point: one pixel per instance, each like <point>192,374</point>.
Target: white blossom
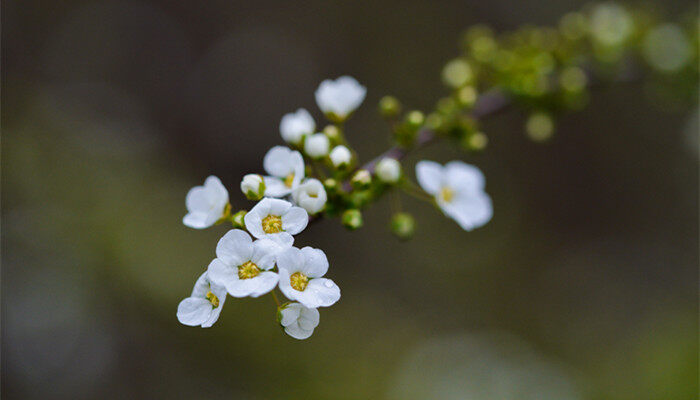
<point>340,97</point>
<point>275,219</point>
<point>243,267</point>
<point>294,126</point>
<point>310,195</point>
<point>340,156</point>
<point>458,189</point>
<point>301,277</point>
<point>298,321</point>
<point>317,145</point>
<point>286,169</point>
<point>204,305</point>
<point>388,170</point>
<point>253,186</point>
<point>205,204</point>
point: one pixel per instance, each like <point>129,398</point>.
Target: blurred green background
<point>583,286</point>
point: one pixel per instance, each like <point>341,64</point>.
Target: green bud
<point>434,121</point>
<point>403,225</point>
<point>237,219</point>
<point>389,107</point>
<point>333,133</point>
<point>476,141</point>
<point>331,185</point>
<point>415,119</point>
<point>539,126</point>
<point>457,73</point>
<point>352,219</point>
<point>361,179</point>
<point>466,96</point>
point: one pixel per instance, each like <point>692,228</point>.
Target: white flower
<point>294,126</point>
<point>301,272</point>
<point>341,97</point>
<point>253,186</point>
<point>317,145</point>
<point>459,191</point>
<point>243,266</point>
<point>388,170</point>
<point>298,321</point>
<point>205,204</point>
<point>273,218</point>
<point>286,168</point>
<point>310,195</point>
<point>204,305</point>
<point>340,156</point>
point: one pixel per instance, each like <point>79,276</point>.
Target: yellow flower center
<point>213,299</point>
<point>272,224</point>
<point>288,180</point>
<point>299,281</point>
<point>447,194</point>
<point>248,270</point>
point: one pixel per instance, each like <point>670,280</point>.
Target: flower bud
<point>415,119</point>
<point>457,73</point>
<point>317,145</point>
<point>237,219</point>
<point>331,185</point>
<point>294,126</point>
<point>389,107</point>
<point>475,141</point>
<point>539,127</point>
<point>466,96</point>
<point>388,170</point>
<point>333,133</point>
<point>253,186</point>
<point>352,219</point>
<point>361,179</point>
<point>403,225</point>
<point>340,156</point>
<point>310,195</point>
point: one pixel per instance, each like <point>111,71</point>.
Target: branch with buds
<point>545,71</point>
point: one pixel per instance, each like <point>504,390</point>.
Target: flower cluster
<point>258,255</point>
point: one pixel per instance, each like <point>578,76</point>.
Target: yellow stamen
<point>447,194</point>
<point>213,299</point>
<point>272,224</point>
<point>299,281</point>
<point>248,270</point>
<point>288,180</point>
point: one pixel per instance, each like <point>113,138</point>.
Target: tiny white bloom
<point>294,126</point>
<point>286,168</point>
<point>204,305</point>
<point>273,218</point>
<point>243,266</point>
<point>340,97</point>
<point>340,156</point>
<point>310,195</point>
<point>253,186</point>
<point>459,191</point>
<point>205,204</point>
<point>301,272</point>
<point>388,170</point>
<point>317,145</point>
<point>298,321</point>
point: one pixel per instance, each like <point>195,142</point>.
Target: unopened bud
<point>352,219</point>
<point>403,225</point>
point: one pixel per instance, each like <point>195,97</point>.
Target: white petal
<point>297,161</point>
<point>274,187</point>
<point>193,311</point>
<point>266,281</point>
<point>277,206</point>
<point>295,220</point>
<point>220,293</point>
<point>291,260</point>
<point>284,283</point>
<point>196,199</point>
<point>235,248</point>
<point>429,175</point>
<point>221,274</point>
<point>277,162</point>
<point>216,192</point>
<point>315,262</point>
<point>471,211</point>
<point>341,96</point>
<point>253,219</point>
<point>461,175</point>
<point>290,314</point>
<point>294,125</point>
<point>265,253</point>
<point>309,318</point>
<point>197,220</point>
<point>324,290</point>
<point>295,331</point>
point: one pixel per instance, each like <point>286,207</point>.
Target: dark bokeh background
<point>584,285</point>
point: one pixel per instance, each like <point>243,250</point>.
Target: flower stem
<point>274,297</point>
